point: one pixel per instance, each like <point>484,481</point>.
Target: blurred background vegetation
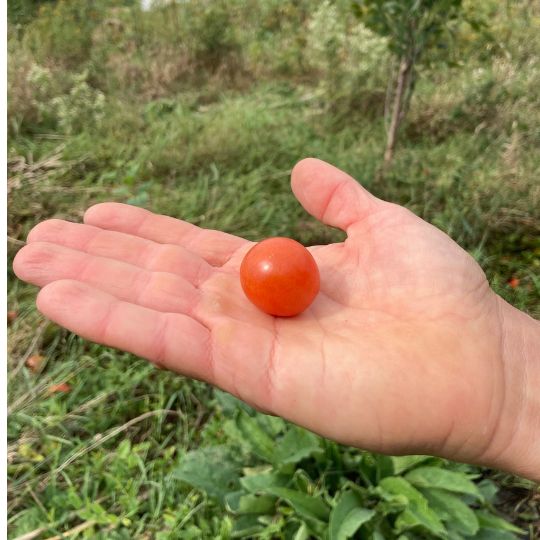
<point>199,109</point>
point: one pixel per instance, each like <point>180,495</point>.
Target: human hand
<point>403,351</point>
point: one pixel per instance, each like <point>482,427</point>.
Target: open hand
<point>399,353</point>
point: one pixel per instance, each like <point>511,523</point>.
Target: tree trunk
<point>402,83</point>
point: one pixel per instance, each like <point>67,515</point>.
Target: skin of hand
<point>406,349</point>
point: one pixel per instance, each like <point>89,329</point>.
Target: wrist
<point>515,445</point>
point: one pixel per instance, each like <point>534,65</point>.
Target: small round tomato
<point>280,276</point>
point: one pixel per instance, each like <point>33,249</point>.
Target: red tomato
<point>280,276</point>
<point>61,387</point>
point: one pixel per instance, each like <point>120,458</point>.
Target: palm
<point>367,364</point>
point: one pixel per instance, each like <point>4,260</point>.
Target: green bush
<point>81,108</point>
<point>22,11</point>
<point>62,31</point>
<point>276,480</point>
<point>352,61</point>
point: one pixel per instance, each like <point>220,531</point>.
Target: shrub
<point>42,98</point>
<point>62,31</point>
<point>276,480</point>
<point>81,108</point>
<point>352,61</point>
<point>30,87</point>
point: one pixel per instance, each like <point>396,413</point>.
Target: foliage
<point>214,37</point>
<point>363,57</point>
<point>417,31</point>
<point>22,11</point>
<point>81,107</point>
<point>299,485</point>
<point>413,27</point>
<point>63,30</point>
<point>149,119</point>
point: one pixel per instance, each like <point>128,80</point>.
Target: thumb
<point>329,194</point>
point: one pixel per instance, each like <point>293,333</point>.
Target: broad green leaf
<point>404,463</point>
<point>490,521</point>
<point>229,404</point>
<point>434,477</point>
<point>210,469</point>
<point>383,467</point>
<point>453,510</point>
<point>255,437</point>
<point>392,504</point>
<point>238,502</point>
<point>273,425</point>
<point>246,527</point>
<point>417,512</point>
<point>396,485</point>
<point>416,516</point>
<point>306,506</point>
<point>232,500</point>
<point>256,483</point>
<point>297,444</point>
<point>231,429</point>
<point>488,489</point>
<point>494,534</point>
<point>348,516</point>
<point>302,533</point>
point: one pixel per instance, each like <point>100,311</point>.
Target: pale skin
<point>405,350</point>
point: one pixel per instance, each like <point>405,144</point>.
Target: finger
<point>41,263</point>
<point>123,247</point>
<point>330,195</point>
<point>172,340</point>
<point>216,247</point>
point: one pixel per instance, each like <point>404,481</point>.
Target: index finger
<point>215,247</point>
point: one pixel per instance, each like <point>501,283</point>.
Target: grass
<point>206,126</point>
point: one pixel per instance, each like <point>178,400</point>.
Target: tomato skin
<point>280,276</point>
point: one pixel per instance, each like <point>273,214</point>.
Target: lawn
<point>199,110</point>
